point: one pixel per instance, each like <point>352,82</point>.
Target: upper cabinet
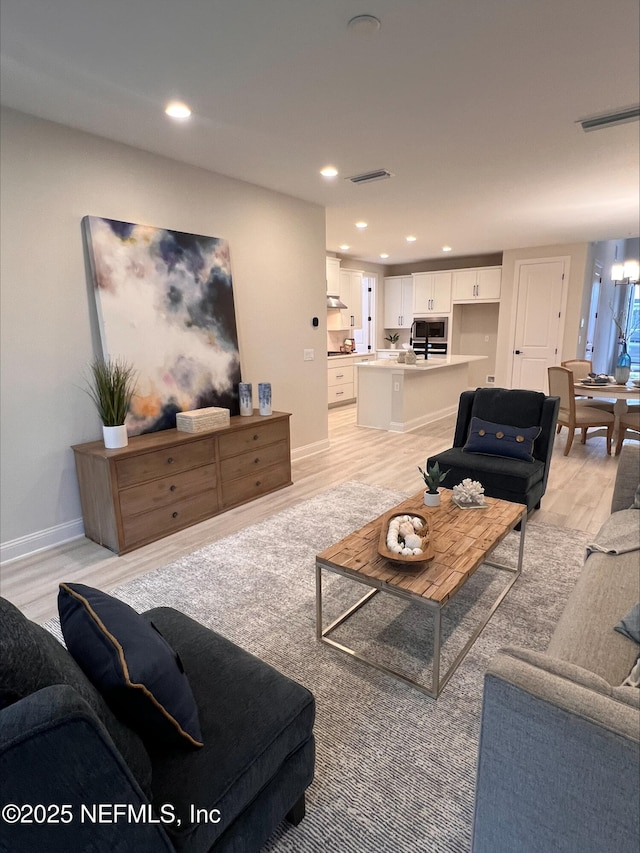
<point>477,285</point>
<point>333,275</point>
<point>432,293</point>
<point>398,302</point>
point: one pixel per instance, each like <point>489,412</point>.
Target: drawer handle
<point>339,393</point>
<point>170,460</point>
<point>172,488</point>
<point>339,375</point>
<point>256,460</point>
<point>256,437</point>
<point>258,483</point>
<point>174,515</point>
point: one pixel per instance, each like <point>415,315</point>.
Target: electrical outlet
<point>486,339</point>
<point>396,386</point>
<point>491,380</point>
<point>309,355</point>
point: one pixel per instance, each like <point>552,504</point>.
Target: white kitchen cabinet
<point>431,293</point>
<point>351,295</point>
<point>480,284</point>
<point>398,302</point>
<point>333,275</point>
<point>340,380</point>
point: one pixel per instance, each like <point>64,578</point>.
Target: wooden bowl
<point>411,559</point>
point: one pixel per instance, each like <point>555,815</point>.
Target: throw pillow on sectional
<point>130,662</point>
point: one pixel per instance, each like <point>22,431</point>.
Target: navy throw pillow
<point>129,661</point>
<point>501,440</point>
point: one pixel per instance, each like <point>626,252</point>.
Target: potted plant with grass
<point>111,386</point>
<point>432,477</point>
<point>393,340</point>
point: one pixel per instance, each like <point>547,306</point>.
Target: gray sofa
<point>559,756</point>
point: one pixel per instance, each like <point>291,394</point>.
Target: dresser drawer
<point>159,463</point>
<point>167,490</point>
<point>252,438</point>
<point>246,488</point>
<point>340,375</point>
<point>246,463</point>
<point>341,393</point>
<point>147,526</point>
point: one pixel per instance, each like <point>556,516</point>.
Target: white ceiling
<point>472,104</point>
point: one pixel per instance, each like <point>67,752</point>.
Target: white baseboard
<point>41,540</point>
<point>423,420</point>
<point>310,449</point>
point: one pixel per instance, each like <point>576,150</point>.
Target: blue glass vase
<point>623,366</point>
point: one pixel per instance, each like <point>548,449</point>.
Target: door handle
<point>518,352</point>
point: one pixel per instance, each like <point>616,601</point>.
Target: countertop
<point>432,363</point>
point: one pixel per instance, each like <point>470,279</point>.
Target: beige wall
<point>577,254</point>
<point>52,176</point>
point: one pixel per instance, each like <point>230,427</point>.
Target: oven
<point>430,333</point>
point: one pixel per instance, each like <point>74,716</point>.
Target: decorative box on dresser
<point>165,481</point>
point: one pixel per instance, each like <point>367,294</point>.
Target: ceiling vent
<point>610,119</point>
<point>367,177</point>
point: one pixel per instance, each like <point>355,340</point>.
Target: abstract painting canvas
<point>165,304</point>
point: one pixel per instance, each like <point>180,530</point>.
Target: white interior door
<point>540,297</point>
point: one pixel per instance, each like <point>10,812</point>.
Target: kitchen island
<point>403,397</point>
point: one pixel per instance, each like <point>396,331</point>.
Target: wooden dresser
<point>168,480</point>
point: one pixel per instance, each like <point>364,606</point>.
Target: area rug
<point>395,769</point>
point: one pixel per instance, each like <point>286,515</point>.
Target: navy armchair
<point>516,480</point>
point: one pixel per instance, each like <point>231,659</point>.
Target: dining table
<point>621,394</point>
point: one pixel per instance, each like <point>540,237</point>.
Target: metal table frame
<point>438,683</point>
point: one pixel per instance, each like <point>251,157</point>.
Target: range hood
<point>334,301</point>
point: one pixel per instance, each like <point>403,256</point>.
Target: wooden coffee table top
<point>461,539</point>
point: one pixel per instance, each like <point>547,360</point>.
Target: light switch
<point>309,355</point>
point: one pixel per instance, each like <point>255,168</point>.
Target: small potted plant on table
<point>111,386</point>
<point>432,478</point>
<point>393,340</point>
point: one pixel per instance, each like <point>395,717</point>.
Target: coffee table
<point>462,540</point>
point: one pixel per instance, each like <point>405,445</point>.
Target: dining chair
<point>581,368</point>
<point>630,420</point>
<point>573,416</point>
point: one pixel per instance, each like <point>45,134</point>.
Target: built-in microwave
<point>434,329</point>
<point>429,335</point>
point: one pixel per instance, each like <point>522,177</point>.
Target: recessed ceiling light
<point>364,25</point>
<point>177,110</point>
<point>411,239</point>
<point>384,255</point>
<point>446,248</point>
<point>344,247</point>
<point>329,172</point>
<point>361,224</point>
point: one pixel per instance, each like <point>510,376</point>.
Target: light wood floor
<point>578,496</point>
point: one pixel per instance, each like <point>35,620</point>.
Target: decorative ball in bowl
<point>404,538</point>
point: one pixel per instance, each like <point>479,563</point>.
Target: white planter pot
<point>393,346</point>
<point>431,500</point>
<point>115,436</point>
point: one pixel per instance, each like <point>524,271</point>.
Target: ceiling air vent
<point>610,119</point>
<point>367,177</point>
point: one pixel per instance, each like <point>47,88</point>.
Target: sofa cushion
<point>606,591</point>
<point>130,662</point>
<point>501,439</point>
<point>31,659</point>
<point>253,718</point>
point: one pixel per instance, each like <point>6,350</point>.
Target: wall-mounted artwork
<point>165,304</point>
